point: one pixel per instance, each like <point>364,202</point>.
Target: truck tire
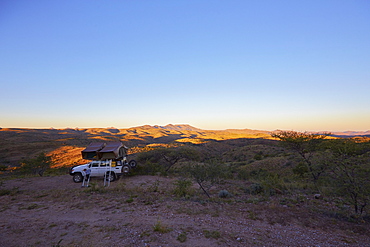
<point>132,163</point>
<point>77,177</point>
<point>126,169</point>
<point>111,176</point>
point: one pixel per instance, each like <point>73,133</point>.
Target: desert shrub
<point>247,172</point>
<point>130,200</point>
<point>206,175</point>
<point>154,187</point>
<point>224,194</point>
<point>160,227</point>
<point>150,168</point>
<point>212,234</point>
<point>182,187</point>
<point>36,165</point>
<point>259,174</point>
<point>56,171</point>
<point>95,188</point>
<point>242,173</point>
<point>13,191</point>
<point>169,157</point>
<point>300,169</point>
<point>182,237</point>
<point>273,184</point>
<point>258,156</point>
<point>254,189</point>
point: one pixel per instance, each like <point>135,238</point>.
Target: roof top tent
<point>113,150</point>
<point>104,151</point>
<point>91,151</point>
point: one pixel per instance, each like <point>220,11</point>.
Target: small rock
<point>317,196</point>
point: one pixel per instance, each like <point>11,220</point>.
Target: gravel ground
<point>140,211</point>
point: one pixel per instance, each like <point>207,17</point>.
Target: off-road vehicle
<point>101,168</point>
<point>109,160</point>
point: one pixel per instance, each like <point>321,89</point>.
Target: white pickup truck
<point>101,168</point>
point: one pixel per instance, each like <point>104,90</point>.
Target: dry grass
<point>66,156</point>
<point>144,209</point>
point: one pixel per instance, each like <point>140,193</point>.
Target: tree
<point>350,171</point>
<point>37,165</point>
<point>206,175</point>
<point>168,157</point>
<point>305,145</point>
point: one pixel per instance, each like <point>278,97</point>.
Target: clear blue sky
<point>302,65</point>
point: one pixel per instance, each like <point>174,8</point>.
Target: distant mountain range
<point>351,133</point>
<point>170,129</point>
<point>187,127</point>
<point>17,143</point>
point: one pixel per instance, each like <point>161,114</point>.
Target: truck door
<point>94,168</point>
<point>102,169</point>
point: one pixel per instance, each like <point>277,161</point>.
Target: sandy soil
<point>140,211</point>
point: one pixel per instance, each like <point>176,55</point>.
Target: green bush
<point>300,169</point>
<point>37,165</point>
<point>206,175</point>
<point>182,237</point>
<point>150,168</point>
<point>182,188</point>
<point>259,174</point>
<point>161,228</point>
<point>224,194</point>
<point>212,234</point>
<point>129,200</point>
<point>255,189</point>
<point>258,156</point>
<point>13,191</point>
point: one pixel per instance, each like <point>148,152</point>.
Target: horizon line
<point>112,127</point>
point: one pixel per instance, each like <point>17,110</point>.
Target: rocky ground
<point>142,211</point>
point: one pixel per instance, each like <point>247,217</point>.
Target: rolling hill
<point>66,144</point>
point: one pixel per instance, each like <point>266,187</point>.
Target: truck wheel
<point>77,177</point>
<point>132,163</point>
<point>111,177</point>
<point>125,169</point>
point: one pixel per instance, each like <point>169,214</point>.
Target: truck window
<point>94,164</point>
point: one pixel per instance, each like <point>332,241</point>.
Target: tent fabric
<point>91,151</point>
<point>111,147</point>
<point>103,151</point>
<point>111,151</point>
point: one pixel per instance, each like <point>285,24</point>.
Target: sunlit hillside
<point>65,145</point>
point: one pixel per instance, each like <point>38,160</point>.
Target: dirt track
<point>140,211</point>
